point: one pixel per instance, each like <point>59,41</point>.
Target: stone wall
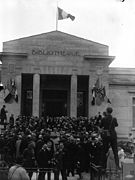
<point>121,92</point>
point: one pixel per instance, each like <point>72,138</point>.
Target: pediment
<point>55,40</point>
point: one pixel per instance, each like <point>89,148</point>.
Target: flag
<point>105,96</point>
<point>94,92</point>
<point>97,84</point>
<point>13,94</point>
<point>93,96</point>
<point>98,94</point>
<point>108,101</point>
<point>64,15</point>
<point>8,98</point>
<point>16,95</point>
<point>14,91</point>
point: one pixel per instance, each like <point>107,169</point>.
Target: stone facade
<point>57,54</point>
<point>122,94</point>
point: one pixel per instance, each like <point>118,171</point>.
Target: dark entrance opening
<point>27,94</point>
<point>54,95</point>
<point>55,103</point>
<point>82,95</point>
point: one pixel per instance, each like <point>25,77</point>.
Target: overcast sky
<point>110,22</point>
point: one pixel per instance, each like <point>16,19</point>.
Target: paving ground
<point>127,170</point>
<point>86,176</point>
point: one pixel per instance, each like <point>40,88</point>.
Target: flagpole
<point>57,15</point>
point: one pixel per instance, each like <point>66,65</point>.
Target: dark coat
<point>71,152</point>
<point>109,123</point>
<point>61,158</point>
<point>3,114</point>
<point>28,158</point>
<point>80,156</point>
<point>39,145</point>
<point>44,157</point>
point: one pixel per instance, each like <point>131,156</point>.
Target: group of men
<point>69,147</point>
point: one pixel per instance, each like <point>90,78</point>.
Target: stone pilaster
<point>36,93</point>
<point>19,90</point>
<point>73,96</point>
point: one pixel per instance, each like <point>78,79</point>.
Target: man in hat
<point>44,158</point>
<point>60,158</point>
<point>3,114</point>
<point>109,135</point>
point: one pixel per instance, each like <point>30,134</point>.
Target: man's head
<point>49,144</point>
<point>109,110</point>
<point>61,145</point>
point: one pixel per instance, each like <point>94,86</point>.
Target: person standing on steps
<point>109,135</point>
<point>3,114</point>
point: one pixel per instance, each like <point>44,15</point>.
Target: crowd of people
<point>68,145</point>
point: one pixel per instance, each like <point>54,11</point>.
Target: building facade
<point>53,74</point>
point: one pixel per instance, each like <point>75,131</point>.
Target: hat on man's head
<point>109,110</point>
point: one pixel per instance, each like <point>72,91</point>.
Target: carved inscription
<point>54,52</point>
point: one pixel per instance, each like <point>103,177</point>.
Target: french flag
<point>64,15</point>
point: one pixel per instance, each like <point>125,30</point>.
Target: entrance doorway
<point>54,103</point>
<point>27,94</point>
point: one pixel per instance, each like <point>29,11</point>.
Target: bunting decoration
<point>11,86</point>
<point>16,95</point>
<point>99,94</point>
<point>8,97</point>
<point>94,92</point>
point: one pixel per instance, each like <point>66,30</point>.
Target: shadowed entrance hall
<point>55,102</point>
